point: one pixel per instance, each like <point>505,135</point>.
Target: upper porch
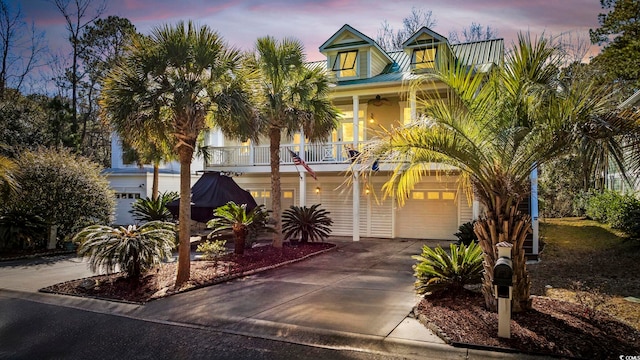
<point>328,156</point>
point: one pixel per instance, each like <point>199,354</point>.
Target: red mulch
<point>159,282</point>
<point>552,327</point>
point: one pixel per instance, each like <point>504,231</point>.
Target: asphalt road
<point>32,330</point>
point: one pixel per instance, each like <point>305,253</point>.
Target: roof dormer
<point>423,47</point>
<point>352,55</point>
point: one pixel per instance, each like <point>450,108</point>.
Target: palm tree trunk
<point>240,240</point>
<point>184,218</point>
<point>274,161</point>
<point>510,226</point>
<point>156,175</point>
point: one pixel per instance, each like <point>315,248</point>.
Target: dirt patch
<point>552,327</point>
<point>160,281</point>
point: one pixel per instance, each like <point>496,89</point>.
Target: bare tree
<point>78,14</point>
<point>475,32</point>
<point>574,45</point>
<point>21,48</point>
<point>390,39</point>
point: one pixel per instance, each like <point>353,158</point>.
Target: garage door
<point>428,214</point>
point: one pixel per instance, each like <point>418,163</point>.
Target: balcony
<point>244,156</point>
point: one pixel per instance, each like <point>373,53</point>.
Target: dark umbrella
<point>211,191</point>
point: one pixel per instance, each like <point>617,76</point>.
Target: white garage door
<point>428,214</point>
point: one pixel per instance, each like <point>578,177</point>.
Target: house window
<point>433,195</point>
<point>448,195</point>
<point>287,194</point>
<point>417,195</point>
<point>345,63</point>
<point>423,58</point>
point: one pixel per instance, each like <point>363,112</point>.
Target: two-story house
<point>371,91</point>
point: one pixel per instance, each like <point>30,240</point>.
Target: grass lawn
<point>586,262</point>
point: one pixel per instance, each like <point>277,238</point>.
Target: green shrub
<point>63,189</point>
<point>132,249</point>
<point>306,223</point>
<point>607,206</point>
<point>614,209</point>
<point>629,221</point>
<point>465,234</point>
<point>438,270</point>
<point>148,209</point>
<point>212,250</point>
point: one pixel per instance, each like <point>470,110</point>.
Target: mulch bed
<point>552,327</point>
<point>160,281</point>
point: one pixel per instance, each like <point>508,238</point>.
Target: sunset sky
<point>241,22</point>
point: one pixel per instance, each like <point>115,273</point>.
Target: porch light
<point>366,191</point>
<point>371,119</point>
<point>317,189</point>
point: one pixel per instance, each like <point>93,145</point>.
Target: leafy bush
<point>605,207</point>
<point>236,218</point>
<point>63,189</point>
<point>148,209</point>
<point>133,249</point>
<point>212,250</point>
<point>629,221</point>
<point>465,234</point>
<point>308,224</point>
<point>437,270</point>
<point>619,211</point>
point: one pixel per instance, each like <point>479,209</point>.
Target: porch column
<point>356,180</point>
<point>356,206</point>
<point>303,189</point>
<point>534,209</point>
<point>218,137</point>
<point>356,121</point>
<point>303,174</point>
<point>412,105</point>
<point>475,208</point>
<point>252,153</point>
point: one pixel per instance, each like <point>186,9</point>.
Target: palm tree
<point>151,146</point>
<point>181,79</point>
<point>495,128</point>
<point>236,218</point>
<point>291,97</point>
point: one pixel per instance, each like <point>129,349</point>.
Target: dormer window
<point>424,58</point>
<point>346,63</point>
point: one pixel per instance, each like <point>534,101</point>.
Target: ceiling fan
<point>379,101</point>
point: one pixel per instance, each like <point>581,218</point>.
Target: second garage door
<point>428,214</point>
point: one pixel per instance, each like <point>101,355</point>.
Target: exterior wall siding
<point>465,209</point>
<point>378,63</point>
<point>335,198</point>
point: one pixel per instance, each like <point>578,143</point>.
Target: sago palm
<point>290,98</point>
<point>494,128</point>
<point>152,209</point>
<point>181,79</point>
<point>236,218</point>
<point>306,223</point>
<point>438,270</point>
<point>133,249</point>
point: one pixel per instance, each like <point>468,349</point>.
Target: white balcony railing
<point>325,153</point>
